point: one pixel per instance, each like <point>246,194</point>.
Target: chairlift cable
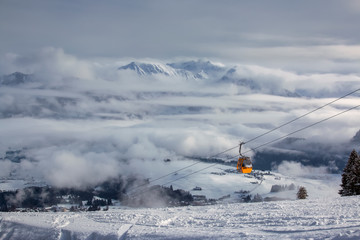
<point>262,145</point>
<point>178,170</point>
<point>304,115</point>
<point>301,129</point>
<point>261,135</point>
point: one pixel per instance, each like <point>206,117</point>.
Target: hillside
<point>213,183</point>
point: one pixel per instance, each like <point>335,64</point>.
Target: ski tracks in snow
<point>123,231</point>
<point>333,219</point>
<point>60,221</point>
<point>72,226</point>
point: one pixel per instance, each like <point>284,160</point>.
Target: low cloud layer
<point>47,63</point>
<point>296,169</point>
<point>79,122</point>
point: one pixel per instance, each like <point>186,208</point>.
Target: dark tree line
<point>31,197</point>
<point>95,197</point>
<point>282,188</point>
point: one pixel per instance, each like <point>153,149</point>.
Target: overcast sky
<point>81,110</point>
<point>277,33</point>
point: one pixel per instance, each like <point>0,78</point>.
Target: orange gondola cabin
<point>244,164</point>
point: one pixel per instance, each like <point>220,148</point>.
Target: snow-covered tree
<point>350,182</point>
<point>302,193</point>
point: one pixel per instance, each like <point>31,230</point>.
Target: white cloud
<point>5,168</point>
<point>49,62</point>
<point>296,169</point>
<point>64,169</point>
<point>106,122</point>
<point>339,58</point>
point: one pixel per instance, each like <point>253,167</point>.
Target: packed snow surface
<point>331,218</point>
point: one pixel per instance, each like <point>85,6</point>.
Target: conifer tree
<point>302,193</point>
<point>257,198</point>
<point>350,182</point>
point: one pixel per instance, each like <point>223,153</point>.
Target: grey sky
<point>260,32</point>
<point>80,109</point>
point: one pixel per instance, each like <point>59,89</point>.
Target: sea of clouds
<point>82,121</point>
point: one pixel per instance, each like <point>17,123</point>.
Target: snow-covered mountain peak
<point>189,70</point>
<point>197,69</point>
<point>149,68</point>
<point>199,66</point>
<point>15,78</point>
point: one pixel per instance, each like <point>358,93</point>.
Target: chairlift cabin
<point>244,164</point>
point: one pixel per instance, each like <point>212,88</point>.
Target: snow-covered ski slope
<point>331,218</point>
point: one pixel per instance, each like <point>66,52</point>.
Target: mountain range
<point>189,69</point>
<point>247,78</point>
<point>15,79</point>
<point>207,71</point>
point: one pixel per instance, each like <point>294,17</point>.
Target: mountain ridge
<point>206,70</point>
<point>15,79</point>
